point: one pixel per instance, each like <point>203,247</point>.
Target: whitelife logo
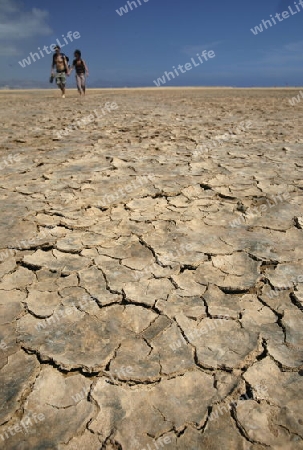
<point>285,15</point>
<point>70,35</point>
<point>295,100</point>
<point>124,9</point>
<point>188,66</point>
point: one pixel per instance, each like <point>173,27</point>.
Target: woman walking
<point>81,71</point>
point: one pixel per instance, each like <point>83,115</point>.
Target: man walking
<point>61,64</point>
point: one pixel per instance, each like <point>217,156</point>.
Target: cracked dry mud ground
<point>131,315</point>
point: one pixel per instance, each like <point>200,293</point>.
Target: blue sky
<point>140,45</point>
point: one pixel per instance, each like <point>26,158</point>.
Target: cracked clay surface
<point>151,271</point>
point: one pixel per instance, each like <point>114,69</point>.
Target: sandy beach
<point>151,269</point>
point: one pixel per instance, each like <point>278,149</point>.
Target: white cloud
<point>294,47</point>
<point>191,50</point>
<point>285,59</point>
<point>279,56</point>
<point>7,6</point>
<point>16,25</point>
<point>9,50</point>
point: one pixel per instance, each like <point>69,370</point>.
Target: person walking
<point>81,71</point>
<point>60,61</point>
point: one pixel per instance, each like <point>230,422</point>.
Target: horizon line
<point>153,88</point>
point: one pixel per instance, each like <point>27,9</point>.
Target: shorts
<point>61,78</point>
